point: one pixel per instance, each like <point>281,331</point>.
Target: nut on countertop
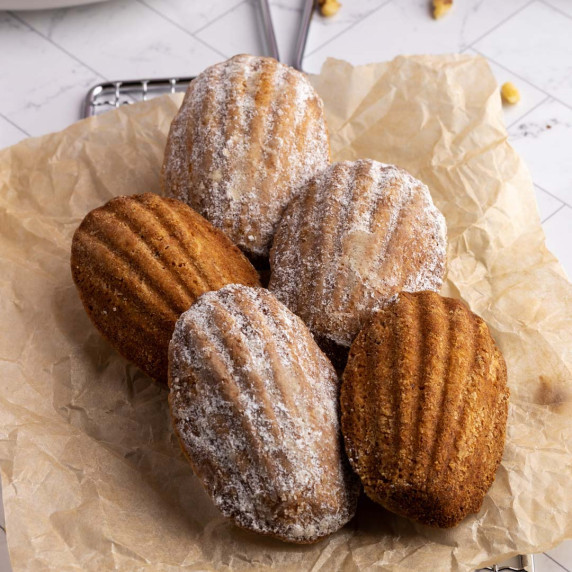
<point>441,7</point>
<point>329,7</point>
<point>510,93</point>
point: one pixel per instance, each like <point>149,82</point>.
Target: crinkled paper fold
<point>93,478</point>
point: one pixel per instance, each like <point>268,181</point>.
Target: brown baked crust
<point>359,233</point>
<point>139,262</point>
<point>424,405</point>
<point>254,403</point>
<point>249,133</point>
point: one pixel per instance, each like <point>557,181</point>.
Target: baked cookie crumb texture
<point>139,262</point>
<point>255,406</point>
<point>424,403</point>
<point>249,133</point>
<point>359,233</point>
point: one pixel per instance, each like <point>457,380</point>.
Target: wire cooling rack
<point>520,563</point>
<point>111,95</point>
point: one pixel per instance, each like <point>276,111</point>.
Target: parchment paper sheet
<point>92,476</point>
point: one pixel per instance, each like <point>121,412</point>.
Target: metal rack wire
<point>522,563</point>
<point>111,95</point>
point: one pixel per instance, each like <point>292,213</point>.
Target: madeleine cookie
<point>359,233</point>
<point>249,133</point>
<point>255,406</point>
<point>139,262</point>
<point>424,404</point>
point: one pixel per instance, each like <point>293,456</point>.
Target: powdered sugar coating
<point>255,404</point>
<point>358,234</point>
<point>249,133</point>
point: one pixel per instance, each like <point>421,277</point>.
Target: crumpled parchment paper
<point>93,478</point>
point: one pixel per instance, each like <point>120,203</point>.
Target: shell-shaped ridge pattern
<point>255,405</point>
<point>139,262</point>
<point>424,404</point>
<point>249,133</point>
<point>358,234</point>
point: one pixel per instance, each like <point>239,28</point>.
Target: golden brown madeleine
<point>424,406</point>
<point>255,406</point>
<point>359,233</point>
<point>250,131</point>
<point>139,262</point>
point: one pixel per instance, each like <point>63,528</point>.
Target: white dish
<point>42,4</point>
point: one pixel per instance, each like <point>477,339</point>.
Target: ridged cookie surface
<point>359,233</point>
<point>424,406</point>
<point>250,131</point>
<point>255,405</point>
<point>139,262</point>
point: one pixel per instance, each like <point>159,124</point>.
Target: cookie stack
<point>349,370</point>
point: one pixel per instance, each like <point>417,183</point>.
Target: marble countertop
<point>49,59</point>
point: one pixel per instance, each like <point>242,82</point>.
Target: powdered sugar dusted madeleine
<point>250,131</point>
<point>139,262</point>
<point>424,408</point>
<point>359,233</point>
<point>255,405</point>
